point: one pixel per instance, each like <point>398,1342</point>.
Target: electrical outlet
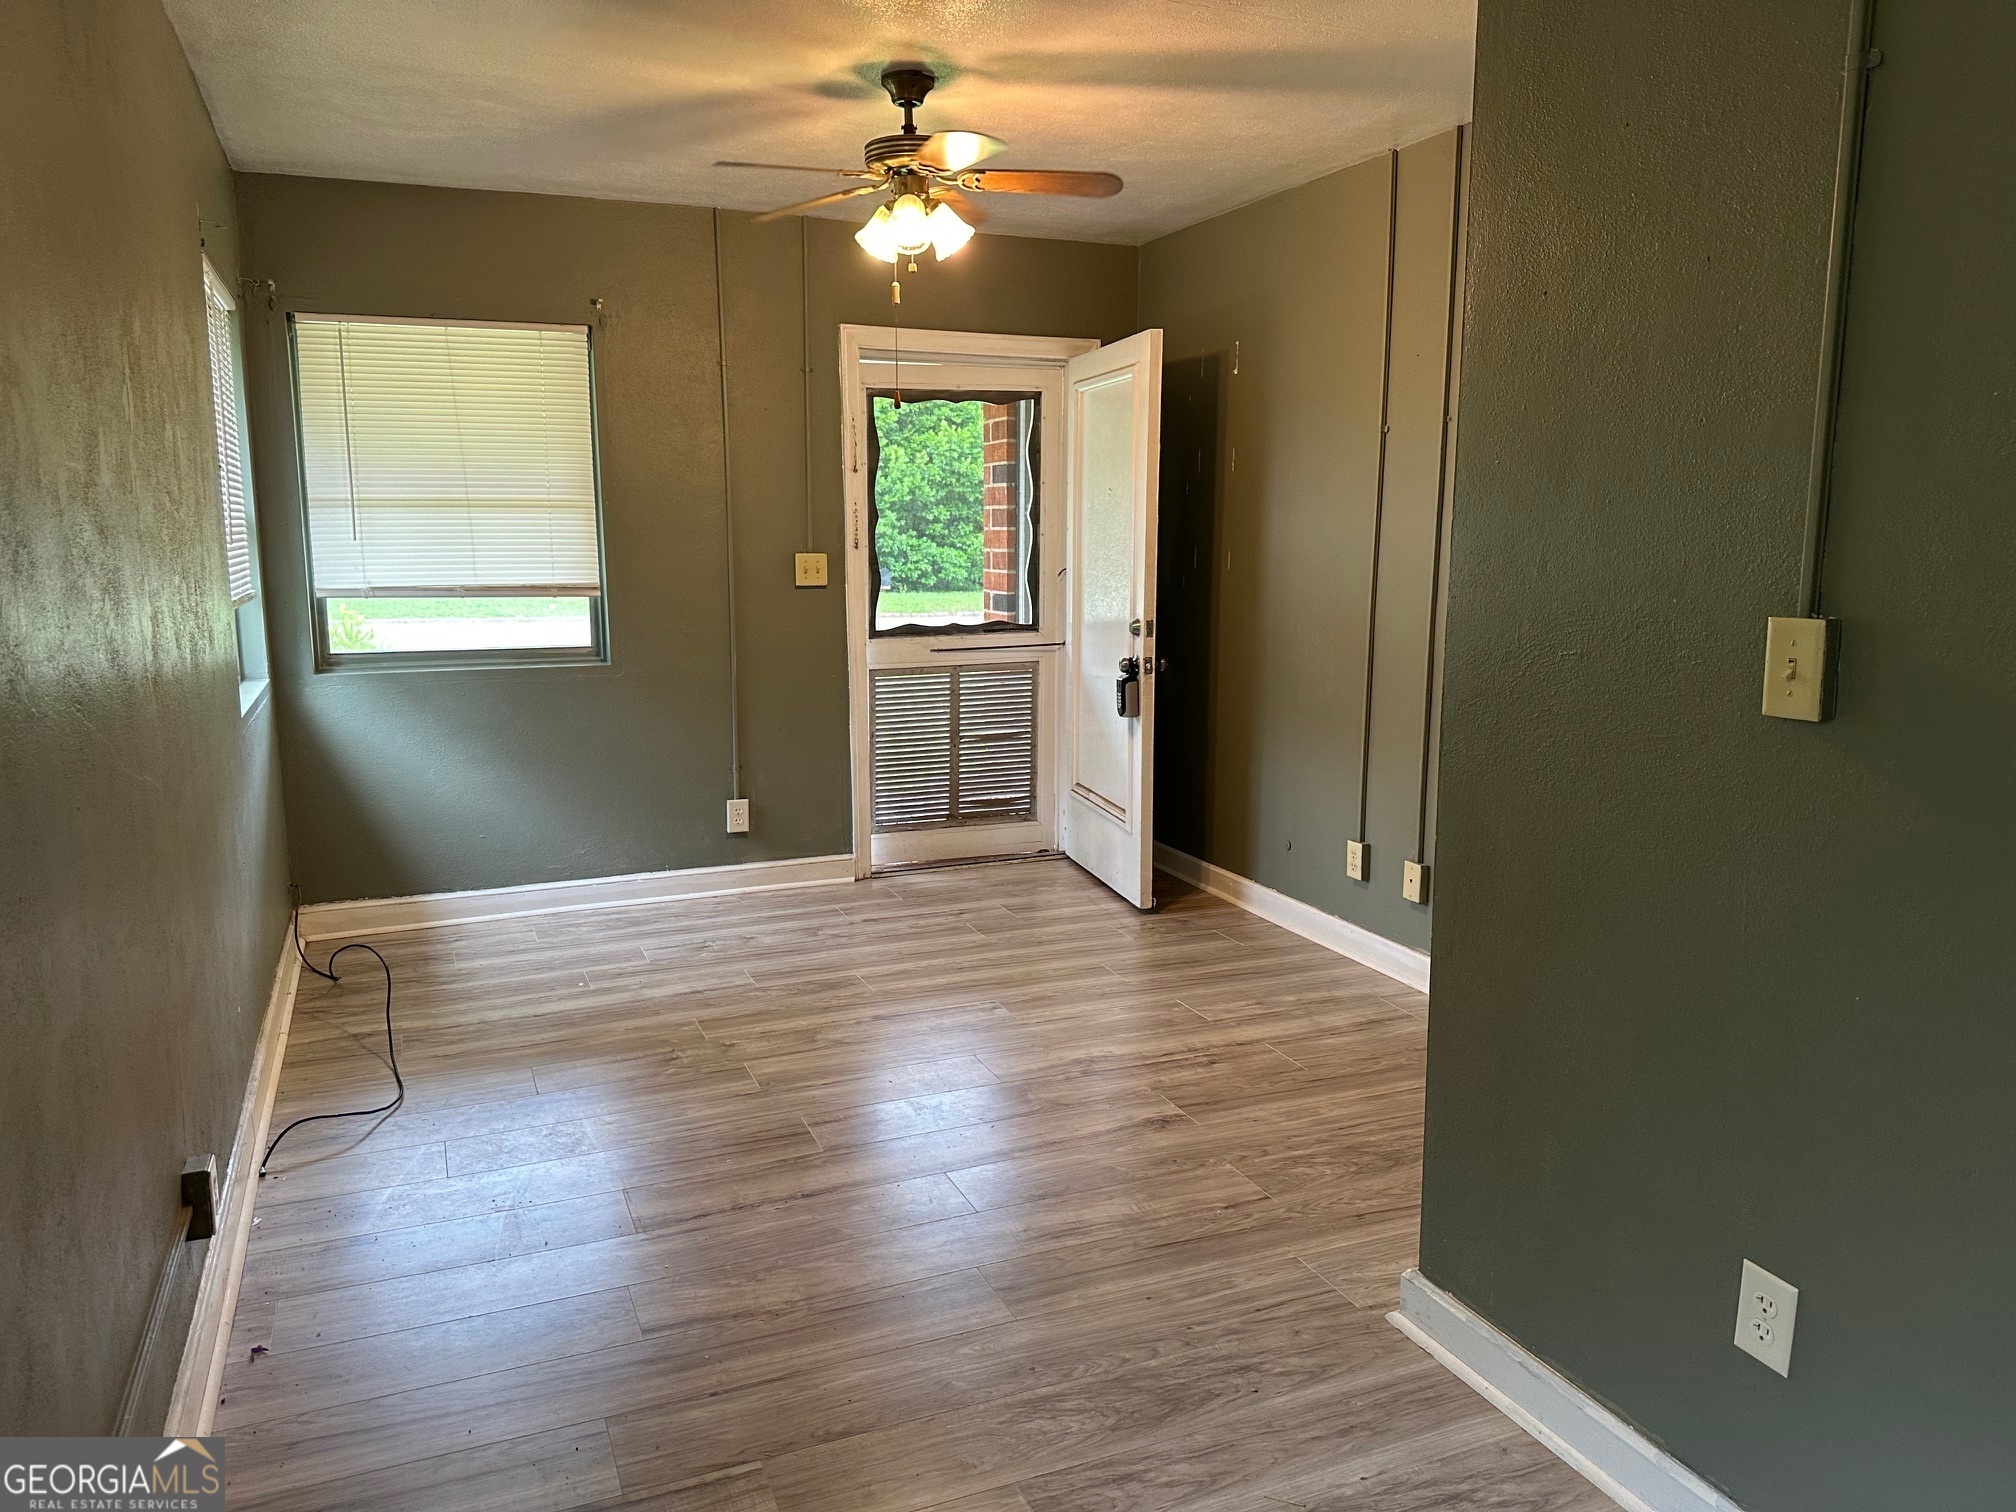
<point>738,816</point>
<point>1764,1317</point>
<point>1414,882</point>
<point>1355,852</point>
<point>811,569</point>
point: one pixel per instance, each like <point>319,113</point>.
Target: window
<point>449,473</point>
<point>234,492</point>
<point>955,513</point>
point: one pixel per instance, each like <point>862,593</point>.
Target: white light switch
<point>1355,852</point>
<point>811,569</point>
<point>738,816</point>
<point>1764,1317</point>
<point>1414,882</point>
<point>1796,653</point>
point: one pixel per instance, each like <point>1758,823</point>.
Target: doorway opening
<point>966,459</point>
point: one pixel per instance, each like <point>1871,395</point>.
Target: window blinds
<point>953,745</point>
<point>445,459</point>
<point>230,441</point>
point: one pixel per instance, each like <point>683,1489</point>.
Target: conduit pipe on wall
<point>1379,490</point>
<point>1451,340</point>
<point>728,519</point>
<point>1859,59</point>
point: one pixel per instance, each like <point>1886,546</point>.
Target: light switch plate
<point>811,569</point>
<point>738,816</point>
<point>1764,1316</point>
<point>1355,852</point>
<point>1414,882</point>
<point>1799,668</point>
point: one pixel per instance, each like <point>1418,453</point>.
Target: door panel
<point>1113,414</point>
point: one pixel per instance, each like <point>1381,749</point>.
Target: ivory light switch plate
<point>1764,1317</point>
<point>1414,882</point>
<point>1797,657</point>
<point>811,569</point>
<point>1354,859</point>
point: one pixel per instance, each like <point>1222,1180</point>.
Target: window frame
<point>1031,463</point>
<point>595,654</point>
<point>248,619</point>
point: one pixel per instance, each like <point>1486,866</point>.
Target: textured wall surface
<point>408,782</point>
<point>1710,986</point>
<point>142,859</point>
<point>1270,552</point>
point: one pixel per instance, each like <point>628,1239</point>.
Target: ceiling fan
<point>929,179</point>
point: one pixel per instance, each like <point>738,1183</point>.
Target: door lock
<point>1127,688</point>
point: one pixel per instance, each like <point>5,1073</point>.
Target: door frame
<point>966,349</point>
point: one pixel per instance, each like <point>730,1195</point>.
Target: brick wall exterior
<point>1001,512</point>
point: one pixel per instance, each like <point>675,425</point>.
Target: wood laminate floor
<point>968,1190</point>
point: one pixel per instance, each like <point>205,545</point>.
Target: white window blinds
<point>230,440</point>
<point>447,459</point>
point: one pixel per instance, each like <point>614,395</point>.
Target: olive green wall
<point>1279,557</point>
<point>409,782</point>
<point>142,859</point>
<point>1708,985</point>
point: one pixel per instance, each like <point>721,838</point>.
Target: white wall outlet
<point>1414,882</point>
<point>1764,1317</point>
<point>1355,852</point>
<point>738,816</point>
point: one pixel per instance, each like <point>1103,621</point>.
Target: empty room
<point>1173,756</point>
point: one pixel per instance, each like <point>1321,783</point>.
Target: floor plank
<point>972,1190</point>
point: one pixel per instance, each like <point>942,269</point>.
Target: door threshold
<point>895,868</point>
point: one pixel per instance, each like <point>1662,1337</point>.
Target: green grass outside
<point>892,602</point>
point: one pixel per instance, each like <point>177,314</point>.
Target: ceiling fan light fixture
<point>948,232</point>
<point>909,225</point>
<point>876,238</point>
<point>962,149</point>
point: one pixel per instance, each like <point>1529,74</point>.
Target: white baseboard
<point>193,1407</point>
<point>374,916</point>
<point>1403,963</point>
<point>1605,1450</point>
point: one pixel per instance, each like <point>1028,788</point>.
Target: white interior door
<point>1113,426</point>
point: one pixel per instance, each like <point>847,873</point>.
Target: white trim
<point>1592,1440</point>
<point>1403,963</point>
<point>192,1407</point>
<point>373,916</point>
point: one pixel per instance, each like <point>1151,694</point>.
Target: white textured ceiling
<point>1201,105</point>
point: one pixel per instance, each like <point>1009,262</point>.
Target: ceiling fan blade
<point>802,168</point>
<point>954,151</point>
<point>965,205</point>
<point>1042,181</point>
<point>824,199</point>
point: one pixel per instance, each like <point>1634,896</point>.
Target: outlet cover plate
<point>811,569</point>
<point>738,816</point>
<point>1414,882</point>
<point>1765,1313</point>
<point>1354,859</point>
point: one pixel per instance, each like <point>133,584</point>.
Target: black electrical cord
<point>391,1050</point>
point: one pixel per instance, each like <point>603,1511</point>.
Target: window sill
<point>252,693</point>
<point>458,661</point>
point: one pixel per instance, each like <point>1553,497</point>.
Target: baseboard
<point>1605,1450</point>
<point>1403,963</point>
<point>193,1406</point>
<point>375,916</point>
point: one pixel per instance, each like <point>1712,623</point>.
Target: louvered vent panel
<point>912,731</point>
<point>997,742</point>
<point>953,745</point>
